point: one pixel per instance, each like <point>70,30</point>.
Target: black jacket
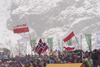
<point>95,55</point>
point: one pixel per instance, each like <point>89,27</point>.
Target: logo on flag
<point>40,47</point>
<point>20,28</point>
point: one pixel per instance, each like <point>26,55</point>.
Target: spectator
<point>52,61</point>
<point>30,65</point>
<point>99,58</point>
<point>95,58</point>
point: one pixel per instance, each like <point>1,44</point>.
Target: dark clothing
<point>99,58</point>
<point>86,64</point>
<point>44,64</point>
<point>70,60</point>
<point>95,55</point>
<point>95,58</point>
<point>99,63</point>
<point>95,63</point>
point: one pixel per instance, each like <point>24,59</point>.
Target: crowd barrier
<point>66,65</point>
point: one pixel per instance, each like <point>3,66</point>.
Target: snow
<point>78,21</point>
<point>81,16</point>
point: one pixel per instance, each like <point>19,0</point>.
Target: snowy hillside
<point>52,18</point>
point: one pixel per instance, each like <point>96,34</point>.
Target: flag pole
<point>77,40</point>
<point>62,48</point>
<point>30,36</point>
<point>81,46</point>
<point>30,43</point>
<point>82,51</point>
<point>26,48</point>
<point>48,48</point>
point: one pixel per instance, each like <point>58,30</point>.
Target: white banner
<point>60,43</point>
<point>79,41</point>
<point>24,39</point>
<point>97,46</point>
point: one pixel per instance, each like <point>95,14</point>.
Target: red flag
<point>40,47</point>
<point>69,48</point>
<point>20,28</point>
<point>69,36</point>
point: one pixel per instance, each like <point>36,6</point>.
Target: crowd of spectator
<point>89,59</point>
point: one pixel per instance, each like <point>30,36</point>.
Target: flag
<point>97,45</point>
<point>20,28</point>
<point>39,48</point>
<point>68,37</point>
<point>98,38</point>
<point>54,51</point>
<point>24,39</point>
<point>79,41</point>
<point>69,48</point>
<point>51,52</point>
<point>50,42</point>
<point>33,48</point>
<point>88,39</point>
<point>46,47</point>
<point>60,42</point>
<point>33,43</point>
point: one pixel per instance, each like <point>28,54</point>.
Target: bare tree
<point>17,49</point>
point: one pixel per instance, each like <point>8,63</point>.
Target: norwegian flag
<point>40,47</point>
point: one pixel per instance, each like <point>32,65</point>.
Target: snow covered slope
<point>52,18</point>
